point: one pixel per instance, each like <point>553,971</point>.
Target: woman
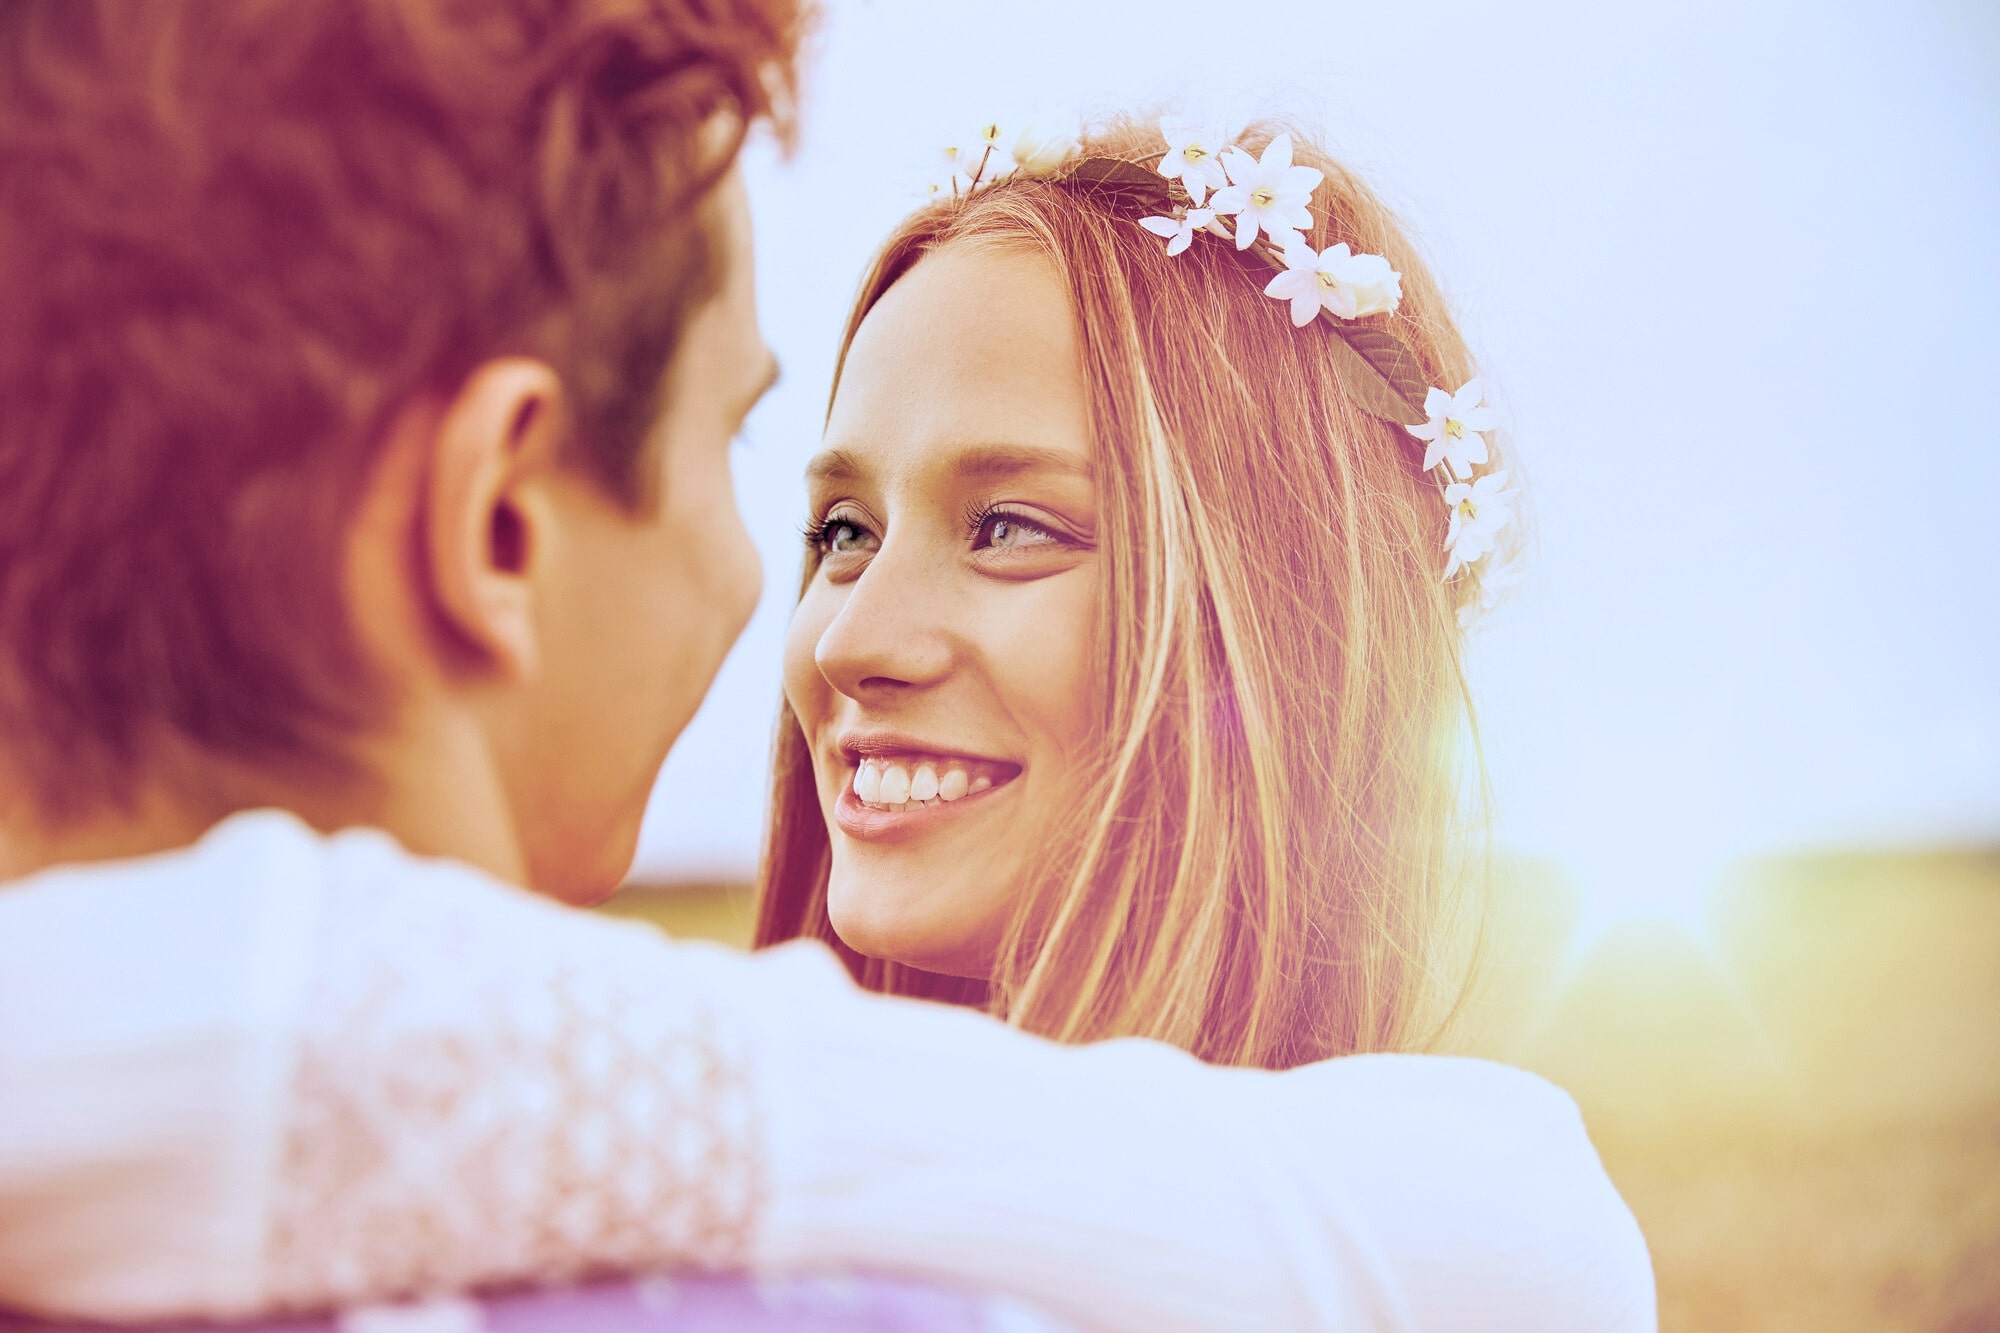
<point>1124,692</point>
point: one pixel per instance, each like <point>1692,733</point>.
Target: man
<point>367,375</point>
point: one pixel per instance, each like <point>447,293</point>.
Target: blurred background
<point>1734,270</point>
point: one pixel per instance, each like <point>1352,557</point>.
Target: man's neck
<point>436,794</point>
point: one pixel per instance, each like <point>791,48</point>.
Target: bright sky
<point>1735,270</point>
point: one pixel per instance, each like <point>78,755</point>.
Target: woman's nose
<point>889,639</point>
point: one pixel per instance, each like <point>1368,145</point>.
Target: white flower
<point>1478,512</point>
<point>1038,154</point>
<point>1194,157</point>
<point>1356,285</point>
<point>1452,434</point>
<point>978,160</point>
<point>1179,231</point>
<point>957,161</point>
<point>1268,193</point>
<point>993,151</point>
<point>1348,284</point>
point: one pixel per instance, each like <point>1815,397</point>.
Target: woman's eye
<point>1010,532</point>
<point>843,536</point>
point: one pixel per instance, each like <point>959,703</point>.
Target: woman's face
<point>939,664</point>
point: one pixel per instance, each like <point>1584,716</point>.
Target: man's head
<point>367,370</point>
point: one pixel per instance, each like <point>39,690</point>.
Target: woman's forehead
<point>970,358</point>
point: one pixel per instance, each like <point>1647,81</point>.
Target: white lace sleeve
<point>493,1089</point>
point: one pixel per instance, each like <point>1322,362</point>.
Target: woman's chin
<point>903,914</point>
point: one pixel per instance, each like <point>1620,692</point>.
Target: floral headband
<point>1205,178</point>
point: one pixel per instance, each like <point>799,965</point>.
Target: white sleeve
<point>1478,1187</point>
<point>491,1088</point>
<point>1127,1186</point>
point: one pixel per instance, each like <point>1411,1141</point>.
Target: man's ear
<point>486,513</point>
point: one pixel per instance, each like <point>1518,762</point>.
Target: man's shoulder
<point>160,947</point>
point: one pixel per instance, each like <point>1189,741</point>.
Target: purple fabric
<point>661,1305</point>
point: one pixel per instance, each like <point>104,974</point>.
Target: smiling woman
<point>941,657</point>
<point>1123,693</point>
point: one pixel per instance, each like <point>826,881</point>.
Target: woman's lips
<point>875,821</point>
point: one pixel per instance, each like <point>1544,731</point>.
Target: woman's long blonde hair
<point>1281,826</point>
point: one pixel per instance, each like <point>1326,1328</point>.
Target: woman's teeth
<point>893,784</point>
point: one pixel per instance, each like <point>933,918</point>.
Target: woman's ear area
<point>487,515</point>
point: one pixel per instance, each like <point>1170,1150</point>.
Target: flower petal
<point>1305,309</point>
<point>1246,230</point>
<point>1283,285</point>
<point>1181,241</point>
<point>1299,256</point>
<point>1279,153</point>
<point>1162,226</point>
<point>1230,199</point>
<point>1437,406</point>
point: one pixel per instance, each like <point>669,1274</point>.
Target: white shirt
<point>277,1070</point>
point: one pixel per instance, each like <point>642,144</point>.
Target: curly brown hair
<point>236,236</point>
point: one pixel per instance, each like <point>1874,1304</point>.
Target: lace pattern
<point>491,1089</point>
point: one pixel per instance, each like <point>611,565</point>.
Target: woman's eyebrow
<point>982,462</point>
<point>987,462</point>
<point>832,465</point>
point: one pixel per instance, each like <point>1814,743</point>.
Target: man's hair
<point>236,237</point>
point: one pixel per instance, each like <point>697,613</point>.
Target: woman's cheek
<point>1045,650</point>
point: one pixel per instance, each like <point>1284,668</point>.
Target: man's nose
<point>889,639</point>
